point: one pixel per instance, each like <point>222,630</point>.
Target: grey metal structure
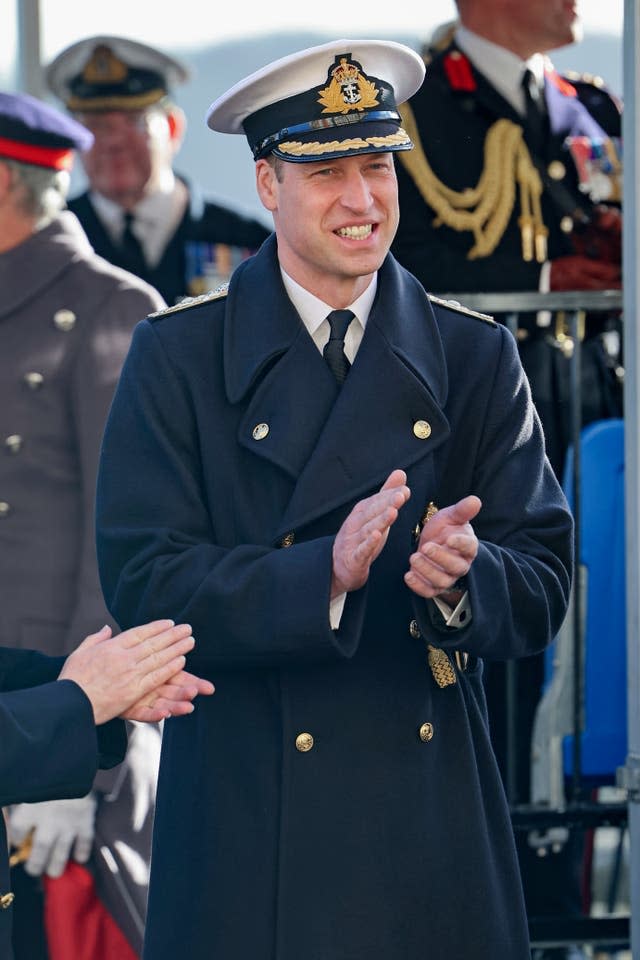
<point>631,133</point>
<point>29,66</point>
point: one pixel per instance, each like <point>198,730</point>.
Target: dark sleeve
<point>519,583</point>
<point>50,749</point>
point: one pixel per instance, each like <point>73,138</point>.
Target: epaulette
<point>459,72</point>
<point>216,294</point>
<point>458,307</point>
<point>574,76</point>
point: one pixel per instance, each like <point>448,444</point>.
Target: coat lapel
<point>337,446</point>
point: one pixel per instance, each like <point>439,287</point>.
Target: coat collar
<point>261,323</point>
<point>28,269</point>
<point>336,446</point>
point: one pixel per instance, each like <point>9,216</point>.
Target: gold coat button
<point>33,380</point>
<point>260,431</point>
<point>304,742</point>
<point>4,508</point>
<point>426,732</point>
<point>422,429</point>
<point>566,224</point>
<point>6,899</point>
<point>557,170</point>
<point>64,320</point>
<point>13,443</point>
<point>288,540</point>
<point>414,630</point>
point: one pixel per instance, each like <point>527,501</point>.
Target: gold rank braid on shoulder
<point>485,209</point>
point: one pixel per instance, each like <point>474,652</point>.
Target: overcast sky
<point>194,22</point>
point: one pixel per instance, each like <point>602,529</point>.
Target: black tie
<point>535,127</point>
<point>132,258</point>
<point>333,352</point>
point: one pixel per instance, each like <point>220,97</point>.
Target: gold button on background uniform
<point>33,380</point>
<point>304,742</point>
<point>422,429</point>
<point>13,443</point>
<point>566,224</point>
<point>414,630</point>
<point>64,320</point>
<point>426,732</point>
<point>6,899</point>
<point>288,540</point>
<point>260,431</point>
<point>4,508</point>
<point>556,170</point>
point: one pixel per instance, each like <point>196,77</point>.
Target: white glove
<point>58,826</point>
<point>143,760</point>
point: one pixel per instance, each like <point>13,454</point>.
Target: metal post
<point>631,773</point>
<point>29,72</point>
<point>578,623</point>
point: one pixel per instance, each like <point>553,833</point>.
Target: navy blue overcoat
<point>331,801</point>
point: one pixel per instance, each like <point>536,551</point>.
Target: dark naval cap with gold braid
<point>334,100</point>
<point>112,73</point>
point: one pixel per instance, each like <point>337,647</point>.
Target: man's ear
<point>266,183</point>
<point>177,125</point>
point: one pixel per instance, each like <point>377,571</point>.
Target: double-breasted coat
<point>66,318</point>
<point>50,746</point>
<point>332,801</point>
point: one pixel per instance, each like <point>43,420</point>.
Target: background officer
<point>515,184</point>
<point>66,317</point>
<point>137,212</point>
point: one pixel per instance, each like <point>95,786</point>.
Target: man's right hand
<point>364,533</point>
<point>143,666</point>
<point>583,273</point>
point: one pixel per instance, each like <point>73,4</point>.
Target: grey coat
<point>66,319</point>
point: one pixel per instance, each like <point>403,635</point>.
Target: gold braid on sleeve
<point>485,209</point>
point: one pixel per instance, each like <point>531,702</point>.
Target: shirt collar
<point>502,68</point>
<point>313,311</point>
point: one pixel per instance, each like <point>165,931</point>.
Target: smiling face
<point>334,220</point>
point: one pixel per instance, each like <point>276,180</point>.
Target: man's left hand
<point>446,549</point>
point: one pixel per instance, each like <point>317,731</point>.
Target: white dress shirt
<point>156,216</point>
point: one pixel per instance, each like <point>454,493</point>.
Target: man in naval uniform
<point>66,317</point>
<point>137,212</point>
<point>515,184</point>
<point>342,485</point>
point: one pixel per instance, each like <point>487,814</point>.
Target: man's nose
<point>357,193</point>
